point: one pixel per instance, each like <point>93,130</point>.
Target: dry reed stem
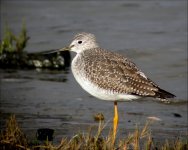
<point>14,138</point>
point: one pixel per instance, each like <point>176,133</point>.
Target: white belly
<point>94,90</point>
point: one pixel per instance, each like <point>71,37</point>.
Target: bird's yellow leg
<point>115,120</point>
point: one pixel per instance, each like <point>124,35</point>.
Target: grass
<point>12,43</point>
<point>12,47</point>
<point>12,137</point>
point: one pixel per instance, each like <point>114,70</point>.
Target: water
<point>153,34</point>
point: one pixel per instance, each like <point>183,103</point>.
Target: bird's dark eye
<point>79,42</point>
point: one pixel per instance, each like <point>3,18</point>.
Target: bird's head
<point>81,42</point>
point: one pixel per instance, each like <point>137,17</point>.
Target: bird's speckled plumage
<point>108,75</point>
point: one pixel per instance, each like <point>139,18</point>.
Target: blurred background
<point>151,33</point>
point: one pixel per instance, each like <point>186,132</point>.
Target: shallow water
<point>152,34</point>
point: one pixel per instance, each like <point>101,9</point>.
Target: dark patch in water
<point>44,134</point>
<point>63,30</point>
<point>130,5</point>
<point>135,113</point>
<point>54,79</point>
<point>177,115</point>
<point>157,32</point>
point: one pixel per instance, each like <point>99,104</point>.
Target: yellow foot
<point>115,121</point>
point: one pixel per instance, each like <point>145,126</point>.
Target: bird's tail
<point>164,94</point>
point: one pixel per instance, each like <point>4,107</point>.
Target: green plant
<point>13,43</point>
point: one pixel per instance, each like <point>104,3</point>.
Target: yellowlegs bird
<point>108,75</point>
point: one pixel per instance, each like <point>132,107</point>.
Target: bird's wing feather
<point>116,73</point>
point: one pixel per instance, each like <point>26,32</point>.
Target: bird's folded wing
<point>118,74</point>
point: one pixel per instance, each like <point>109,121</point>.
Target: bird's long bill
<point>67,48</point>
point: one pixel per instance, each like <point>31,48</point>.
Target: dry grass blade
<point>13,138</point>
<point>145,130</point>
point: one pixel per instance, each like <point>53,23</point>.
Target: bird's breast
<point>77,66</point>
<point>80,72</point>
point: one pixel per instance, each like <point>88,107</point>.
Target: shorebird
<point>109,76</point>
